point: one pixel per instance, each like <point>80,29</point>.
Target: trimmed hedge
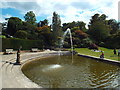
<point>15,43</point>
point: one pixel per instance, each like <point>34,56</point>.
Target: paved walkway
<point>12,76</point>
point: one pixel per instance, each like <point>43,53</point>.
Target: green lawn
<point>108,53</point>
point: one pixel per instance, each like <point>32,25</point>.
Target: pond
<point>79,72</point>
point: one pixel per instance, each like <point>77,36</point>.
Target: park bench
<point>8,51</point>
<point>34,50</point>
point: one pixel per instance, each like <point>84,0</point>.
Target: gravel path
<point>12,76</point>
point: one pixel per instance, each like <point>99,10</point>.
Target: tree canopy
<point>30,17</point>
<point>14,24</point>
<point>101,31</point>
<point>56,27</point>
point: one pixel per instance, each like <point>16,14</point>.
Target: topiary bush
<point>15,43</point>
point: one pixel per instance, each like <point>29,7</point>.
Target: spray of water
<point>68,31</point>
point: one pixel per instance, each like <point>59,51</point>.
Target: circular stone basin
<point>72,72</point>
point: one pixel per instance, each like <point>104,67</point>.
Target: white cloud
<point>69,10</point>
<point>3,17</point>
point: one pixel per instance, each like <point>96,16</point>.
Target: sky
<point>69,10</point>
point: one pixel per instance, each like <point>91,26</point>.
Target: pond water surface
<point>63,72</point>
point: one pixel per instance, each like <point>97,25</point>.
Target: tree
<point>81,34</point>
<point>80,38</point>
<point>28,27</point>
<point>81,25</point>
<point>31,30</point>
<point>113,41</point>
<point>30,17</point>
<point>46,35</point>
<point>21,34</point>
<point>14,24</point>
<point>94,19</point>
<point>42,23</point>
<point>102,17</point>
<point>74,29</point>
<point>113,25</point>
<point>56,26</point>
<point>98,28</point>
<point>99,31</point>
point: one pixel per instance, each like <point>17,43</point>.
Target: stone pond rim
<point>103,60</point>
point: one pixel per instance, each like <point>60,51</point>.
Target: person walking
<point>119,52</point>
<point>114,51</point>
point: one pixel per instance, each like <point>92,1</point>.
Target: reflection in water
<point>49,68</point>
<point>104,75</point>
<point>61,72</point>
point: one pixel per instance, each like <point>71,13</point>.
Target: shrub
<point>81,34</point>
<point>2,36</point>
<point>21,34</point>
<point>15,43</point>
<point>66,45</point>
<point>93,46</point>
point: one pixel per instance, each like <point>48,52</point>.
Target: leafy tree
<point>81,25</point>
<point>98,29</point>
<point>80,38</point>
<point>56,26</point>
<point>65,26</point>
<point>72,24</point>
<point>74,29</point>
<point>42,23</point>
<point>113,41</point>
<point>14,24</point>
<point>45,34</point>
<point>21,34</point>
<point>69,25</point>
<point>81,34</point>
<point>30,17</point>
<point>28,27</point>
<point>102,17</point>
<point>31,30</point>
<point>94,19</point>
<point>33,35</point>
<point>113,25</point>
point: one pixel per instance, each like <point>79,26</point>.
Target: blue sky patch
<point>13,12</point>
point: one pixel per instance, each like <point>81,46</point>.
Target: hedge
<point>15,43</point>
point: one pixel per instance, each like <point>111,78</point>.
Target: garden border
<point>100,59</point>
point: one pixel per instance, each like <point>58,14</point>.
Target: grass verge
<point>108,53</point>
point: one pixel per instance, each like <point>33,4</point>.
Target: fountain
<point>62,42</point>
<point>61,46</point>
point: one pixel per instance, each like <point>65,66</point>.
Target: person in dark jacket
<point>114,51</point>
<point>102,55</point>
<point>18,57</point>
